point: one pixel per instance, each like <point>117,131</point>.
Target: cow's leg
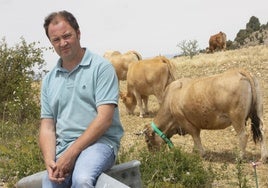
<point>264,152</point>
<point>145,102</point>
<point>197,142</point>
<point>139,103</point>
<point>160,98</point>
<point>195,133</point>
<point>259,108</point>
<point>240,129</point>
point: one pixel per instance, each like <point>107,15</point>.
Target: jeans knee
<point>83,182</point>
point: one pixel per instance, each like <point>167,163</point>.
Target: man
<point>80,128</point>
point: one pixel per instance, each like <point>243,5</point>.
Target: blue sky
<point>151,27</point>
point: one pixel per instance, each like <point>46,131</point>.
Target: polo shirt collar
<point>87,58</point>
<point>86,61</point>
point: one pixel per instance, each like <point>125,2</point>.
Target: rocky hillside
<point>254,34</point>
<point>256,38</point>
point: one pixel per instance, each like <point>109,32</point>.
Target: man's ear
<point>78,33</point>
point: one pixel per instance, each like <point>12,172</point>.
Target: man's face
<point>65,40</point>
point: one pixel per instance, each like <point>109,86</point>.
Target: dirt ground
<point>221,145</point>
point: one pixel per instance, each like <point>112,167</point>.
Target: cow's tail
<point>171,68</point>
<point>256,111</point>
<point>137,55</point>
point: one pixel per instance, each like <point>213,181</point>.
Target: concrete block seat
<point>123,175</point>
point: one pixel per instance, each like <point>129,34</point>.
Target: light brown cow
<point>214,102</point>
<point>121,62</point>
<point>147,77</point>
<point>217,42</point>
<point>110,53</point>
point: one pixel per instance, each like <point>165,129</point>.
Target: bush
<point>18,96</point>
<point>164,169</point>
<point>19,110</point>
<point>231,45</point>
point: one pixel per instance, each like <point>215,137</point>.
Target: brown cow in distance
<point>217,42</point>
<point>147,77</point>
<point>214,102</point>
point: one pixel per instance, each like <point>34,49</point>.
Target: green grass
<point>19,152</point>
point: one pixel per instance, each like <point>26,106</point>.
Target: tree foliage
<point>253,24</point>
<point>18,96</point>
<point>241,36</point>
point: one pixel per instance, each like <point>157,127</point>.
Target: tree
<point>241,36</point>
<point>253,24</point>
<point>189,48</point>
<point>231,45</point>
<point>18,96</point>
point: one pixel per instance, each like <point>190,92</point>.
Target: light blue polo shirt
<point>72,98</point>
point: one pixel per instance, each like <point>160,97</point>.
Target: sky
<point>150,27</point>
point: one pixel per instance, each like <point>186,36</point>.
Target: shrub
<point>18,101</point>
<point>19,110</point>
<point>164,169</point>
<point>231,45</point>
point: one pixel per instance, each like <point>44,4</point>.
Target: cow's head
<point>153,141</point>
<point>129,101</point>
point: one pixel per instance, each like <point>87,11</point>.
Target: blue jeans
<point>89,165</point>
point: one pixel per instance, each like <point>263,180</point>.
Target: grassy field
<point>221,145</point>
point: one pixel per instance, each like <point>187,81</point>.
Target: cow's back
<point>111,53</point>
<point>122,61</point>
<point>148,77</point>
<point>210,101</point>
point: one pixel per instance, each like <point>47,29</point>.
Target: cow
<point>212,103</point>
<point>121,62</point>
<point>217,42</point>
<point>147,77</point>
<point>110,53</point>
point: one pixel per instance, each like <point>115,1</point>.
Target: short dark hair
<point>64,14</point>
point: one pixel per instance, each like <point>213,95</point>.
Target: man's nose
<point>63,42</point>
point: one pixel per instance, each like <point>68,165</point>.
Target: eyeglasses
<point>64,37</point>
